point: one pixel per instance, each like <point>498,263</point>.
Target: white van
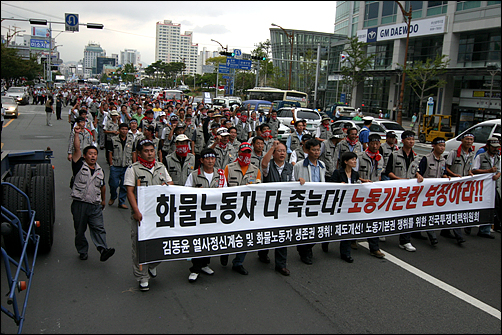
<point>481,131</point>
<point>228,102</point>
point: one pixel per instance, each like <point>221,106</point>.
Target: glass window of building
<point>355,21</point>
<point>416,7</point>
<point>436,7</point>
<point>463,5</point>
<point>371,13</point>
<point>475,49</point>
<point>356,7</point>
<point>389,10</point>
<point>421,49</point>
<point>490,3</point>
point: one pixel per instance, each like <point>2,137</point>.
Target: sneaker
<point>143,285</point>
<point>381,238</point>
<point>377,254</point>
<point>207,270</point>
<point>106,253</point>
<point>407,247</point>
<point>193,277</point>
<point>152,272</point>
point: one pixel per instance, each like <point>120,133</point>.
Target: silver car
<point>10,106</point>
<point>18,93</point>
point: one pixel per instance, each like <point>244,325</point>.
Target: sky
<point>131,24</point>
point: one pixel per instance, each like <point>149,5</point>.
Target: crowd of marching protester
<point>149,141</point>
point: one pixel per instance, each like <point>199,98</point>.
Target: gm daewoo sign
<point>435,25</point>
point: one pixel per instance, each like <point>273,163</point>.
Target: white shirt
<point>293,158</point>
<point>209,177</point>
<point>279,169</point>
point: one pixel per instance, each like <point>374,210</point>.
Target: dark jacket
<point>339,176</point>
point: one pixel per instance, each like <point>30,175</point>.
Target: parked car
<point>312,117</point>
<point>10,106</point>
<point>278,104</point>
<point>283,132</point>
<point>346,112</point>
<point>378,126</point>
<point>220,102</point>
<point>183,88</point>
<point>257,105</point>
<point>19,93</point>
<point>481,131</point>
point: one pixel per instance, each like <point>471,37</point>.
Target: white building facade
<point>172,46</point>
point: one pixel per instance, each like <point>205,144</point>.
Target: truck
<point>28,215</point>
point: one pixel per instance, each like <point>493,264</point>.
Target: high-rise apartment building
<point>172,46</point>
<point>91,53</point>
<point>130,56</point>
<point>205,55</point>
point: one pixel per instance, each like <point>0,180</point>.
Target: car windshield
<point>7,100</point>
<point>263,107</point>
<point>392,126</point>
<point>218,102</point>
<point>15,90</point>
<point>234,102</point>
<point>310,115</point>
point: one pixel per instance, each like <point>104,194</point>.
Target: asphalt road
<point>443,289</point>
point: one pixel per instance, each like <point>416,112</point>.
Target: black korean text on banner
<point>180,222</point>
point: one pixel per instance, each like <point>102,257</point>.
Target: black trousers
<point>199,263</point>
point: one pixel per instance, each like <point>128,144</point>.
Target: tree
<point>264,49</point>
<point>356,63</point>
<point>13,66</point>
<point>424,77</point>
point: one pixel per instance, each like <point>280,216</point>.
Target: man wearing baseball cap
<point>403,164</point>
<point>241,172</point>
<point>225,153</point>
<point>433,165</point>
<point>323,132</point>
<point>328,150</point>
<point>387,149</point>
<point>489,162</point>
<point>181,162</point>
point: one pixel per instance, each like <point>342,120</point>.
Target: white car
<point>481,131</point>
<point>312,117</point>
<point>283,132</point>
<point>228,102</point>
<point>20,94</point>
<point>378,126</point>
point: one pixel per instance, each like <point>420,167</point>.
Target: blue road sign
<point>39,44</point>
<point>342,97</point>
<point>242,64</point>
<point>223,69</point>
<point>237,52</point>
<point>226,77</point>
<point>71,22</point>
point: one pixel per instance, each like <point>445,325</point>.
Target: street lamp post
<point>218,65</point>
<point>291,40</point>
<point>406,14</point>
<point>493,69</point>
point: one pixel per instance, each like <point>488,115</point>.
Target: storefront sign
<point>423,27</point>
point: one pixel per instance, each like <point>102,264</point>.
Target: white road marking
<point>442,285</point>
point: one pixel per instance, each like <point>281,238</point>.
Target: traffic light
<point>258,58</point>
<point>228,54</point>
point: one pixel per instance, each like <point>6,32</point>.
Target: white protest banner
<point>180,222</point>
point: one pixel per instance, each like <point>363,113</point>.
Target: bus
<point>272,94</point>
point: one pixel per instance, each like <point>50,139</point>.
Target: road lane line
<point>442,285</point>
<point>8,123</point>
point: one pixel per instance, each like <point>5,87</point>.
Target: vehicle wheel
<point>24,171</point>
<point>47,171</point>
<point>421,138</point>
<point>14,202</point>
<point>41,199</point>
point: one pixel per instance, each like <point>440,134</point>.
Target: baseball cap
<point>215,125</point>
<point>245,146</point>
<point>162,113</point>
<point>326,118</point>
<point>174,118</point>
<point>368,118</point>
<point>391,134</point>
<point>494,142</point>
<point>181,138</point>
<point>180,125</point>
<point>338,133</point>
<point>114,112</point>
<point>223,132</point>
